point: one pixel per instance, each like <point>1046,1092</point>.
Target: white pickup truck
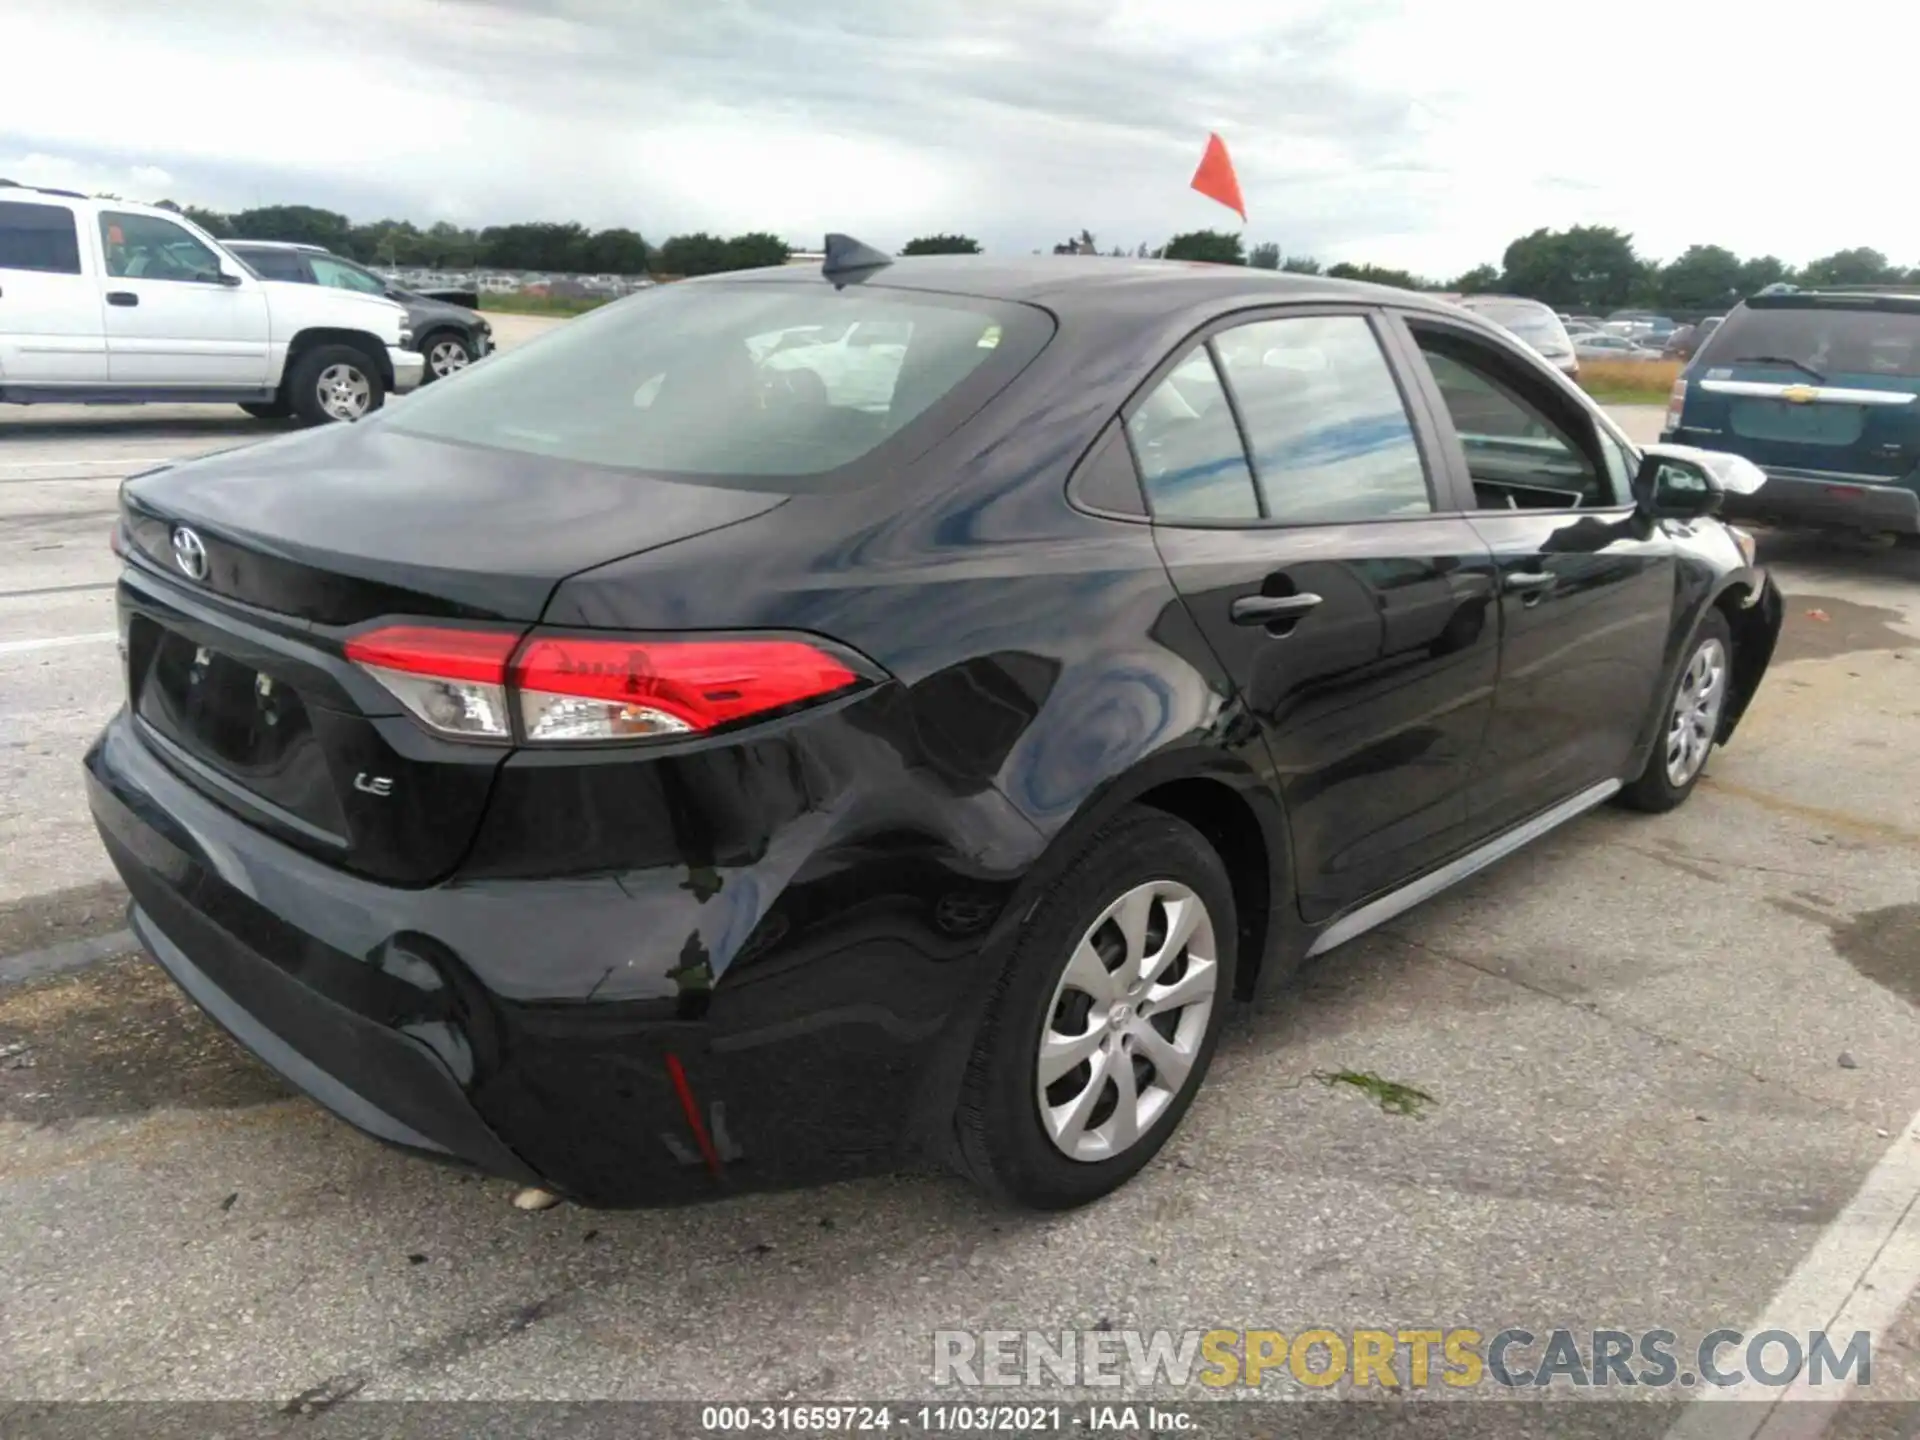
<point>103,302</point>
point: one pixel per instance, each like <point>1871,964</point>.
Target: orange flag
<point>1215,178</point>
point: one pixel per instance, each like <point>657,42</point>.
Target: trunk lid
<point>236,675</point>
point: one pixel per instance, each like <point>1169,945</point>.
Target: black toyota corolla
<point>784,723</point>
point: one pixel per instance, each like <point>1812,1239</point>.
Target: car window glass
<point>39,237</point>
<point>695,380</point>
<point>1329,433</point>
<point>1188,447</point>
<point>1523,451</point>
<point>329,271</point>
<point>145,247</point>
<point>1828,340</point>
<point>275,264</point>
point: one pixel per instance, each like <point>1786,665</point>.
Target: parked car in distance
<point>1532,322</point>
<point>682,782</point>
<point>1612,347</point>
<point>1687,339</point>
<point>1581,322</point>
<point>449,337</point>
<point>107,302</point>
<point>1641,323</point>
<point>1821,389</point>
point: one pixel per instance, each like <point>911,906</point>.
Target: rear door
<point>1823,386</point>
<point>1353,615</point>
<point>1586,585</point>
<point>51,332</point>
<point>170,319</point>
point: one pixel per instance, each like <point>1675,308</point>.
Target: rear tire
<point>1691,712</point>
<point>1044,1128</point>
<point>331,383</point>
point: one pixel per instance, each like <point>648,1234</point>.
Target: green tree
<point>1265,256</point>
<point>755,249</point>
<point>306,224</point>
<point>1589,267</point>
<point>941,245</point>
<point>1376,275</point>
<point>1300,265</point>
<point>1480,280</point>
<point>1220,247</point>
<point>617,252</point>
<point>1704,279</point>
<point>1850,267</point>
<point>695,254</point>
<point>1758,273</point>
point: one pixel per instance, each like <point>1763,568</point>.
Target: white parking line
<point>69,464</point>
<point>55,642</point>
<point>1858,1276</point>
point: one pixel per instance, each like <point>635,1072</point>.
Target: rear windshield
<point>756,380</point>
<point>1820,341</point>
<point>1529,322</point>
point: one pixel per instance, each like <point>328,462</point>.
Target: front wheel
<point>1691,723</point>
<point>446,354</point>
<point>334,382</point>
<point>1102,1026</point>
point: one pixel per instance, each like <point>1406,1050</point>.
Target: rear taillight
<point>454,681</point>
<point>471,683</point>
<point>1676,402</point>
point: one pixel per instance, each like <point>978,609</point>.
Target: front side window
<point>145,247</point>
<point>1188,447</point>
<point>39,237</point>
<point>1524,449</point>
<point>1329,433</point>
<point>340,276</point>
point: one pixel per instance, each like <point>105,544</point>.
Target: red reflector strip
<point>704,683</point>
<point>477,655</point>
<point>691,1108</point>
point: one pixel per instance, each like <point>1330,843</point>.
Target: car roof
<point>280,245</point>
<point>1064,283</point>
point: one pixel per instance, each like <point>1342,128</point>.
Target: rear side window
<point>340,276</point>
<point>1819,342</point>
<point>39,237</point>
<point>1329,433</point>
<point>1188,447</point>
<point>275,264</point>
<point>755,381</point>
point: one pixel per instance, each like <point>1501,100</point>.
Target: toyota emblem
<point>189,553</point>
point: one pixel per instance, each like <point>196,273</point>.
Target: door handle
<point>122,297</point>
<point>1529,579</point>
<point>1264,609</point>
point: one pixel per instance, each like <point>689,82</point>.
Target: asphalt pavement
<point>1663,1057</point>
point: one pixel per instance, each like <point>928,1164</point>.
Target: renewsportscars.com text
<point>1399,1359</point>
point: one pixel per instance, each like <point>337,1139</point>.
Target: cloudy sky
<point>1413,133</point>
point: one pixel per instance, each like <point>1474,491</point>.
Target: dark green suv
<point>1820,389</point>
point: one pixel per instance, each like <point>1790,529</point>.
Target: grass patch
<point>1629,382</point>
<point>1390,1095</point>
<point>542,304</point>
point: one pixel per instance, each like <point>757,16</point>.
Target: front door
<point>50,328</point>
<point>170,319</point>
<point>1587,584</point>
<point>1355,620</point>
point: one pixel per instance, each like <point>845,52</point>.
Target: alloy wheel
<point>345,392</point>
<point>1127,1020</point>
<point>1695,720</point>
<point>446,357</point>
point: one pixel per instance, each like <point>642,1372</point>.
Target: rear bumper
<point>569,1031</point>
<point>1813,498</point>
<point>408,367</point>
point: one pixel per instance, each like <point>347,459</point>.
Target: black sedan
<point>450,336</point>
<point>648,770</point>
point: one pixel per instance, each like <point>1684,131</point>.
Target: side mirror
<point>1684,482</point>
<point>228,275</point>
